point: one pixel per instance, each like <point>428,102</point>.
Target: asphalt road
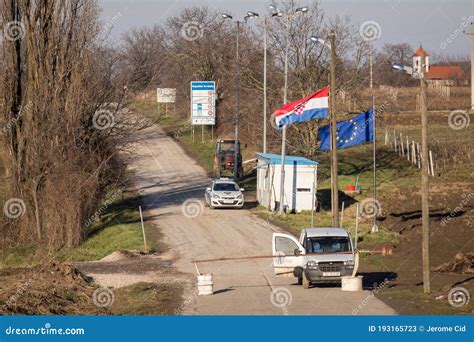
<point>172,188</point>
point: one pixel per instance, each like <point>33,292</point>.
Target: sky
<point>437,24</point>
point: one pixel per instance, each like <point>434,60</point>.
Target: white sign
<point>165,95</point>
<point>203,103</point>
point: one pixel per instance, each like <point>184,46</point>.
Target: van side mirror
<point>297,251</point>
<point>242,189</point>
<point>208,189</point>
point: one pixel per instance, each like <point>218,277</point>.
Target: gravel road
<point>172,186</point>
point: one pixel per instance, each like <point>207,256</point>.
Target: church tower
<point>421,61</point>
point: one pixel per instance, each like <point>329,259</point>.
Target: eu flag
<point>356,131</point>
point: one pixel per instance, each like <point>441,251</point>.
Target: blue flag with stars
<point>358,130</point>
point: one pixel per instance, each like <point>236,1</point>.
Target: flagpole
<point>374,227</point>
<point>283,137</point>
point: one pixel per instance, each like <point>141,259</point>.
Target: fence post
<point>408,150</point>
<point>402,148</point>
<point>431,163</point>
<point>395,141</point>
<point>418,155</point>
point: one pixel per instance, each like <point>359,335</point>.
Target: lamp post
<point>425,207</point>
<point>237,90</point>
<point>333,156</point>
<point>288,16</point>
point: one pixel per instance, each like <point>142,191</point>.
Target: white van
<point>320,255</point>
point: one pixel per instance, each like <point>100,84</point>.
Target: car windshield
<point>226,187</point>
<point>328,244</point>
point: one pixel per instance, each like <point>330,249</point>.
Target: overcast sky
<point>438,24</point>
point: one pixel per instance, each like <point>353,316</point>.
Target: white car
<point>224,193</point>
<point>320,255</point>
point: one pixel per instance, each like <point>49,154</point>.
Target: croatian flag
<point>315,106</point>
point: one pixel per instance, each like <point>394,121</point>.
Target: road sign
<point>203,103</point>
<point>165,95</point>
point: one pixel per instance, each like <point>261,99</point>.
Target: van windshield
<point>328,244</point>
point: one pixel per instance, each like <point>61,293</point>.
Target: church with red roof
<point>437,74</point>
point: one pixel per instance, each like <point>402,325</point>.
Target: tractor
<point>224,156</point>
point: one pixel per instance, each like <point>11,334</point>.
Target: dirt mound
<point>460,264</point>
<point>123,255</point>
<point>48,289</point>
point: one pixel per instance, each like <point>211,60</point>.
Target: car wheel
<point>305,282</point>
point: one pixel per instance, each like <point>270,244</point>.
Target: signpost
<point>203,104</point>
<point>166,95</point>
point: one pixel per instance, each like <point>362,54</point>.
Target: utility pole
<point>334,183</point>
<point>471,35</point>
<point>237,107</point>
<point>265,34</point>
<point>425,207</point>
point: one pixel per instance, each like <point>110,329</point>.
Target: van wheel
<point>300,280</point>
<point>305,282</point>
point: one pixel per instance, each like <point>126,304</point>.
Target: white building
<point>300,182</point>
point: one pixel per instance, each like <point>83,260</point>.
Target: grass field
<point>118,229</point>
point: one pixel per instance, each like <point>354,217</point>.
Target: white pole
<point>143,229</point>
<point>357,226</point>
<point>265,29</point>
<point>431,163</point>
<point>313,197</point>
<point>408,149</point>
<point>342,215</point>
<point>283,138</point>
<point>374,153</point>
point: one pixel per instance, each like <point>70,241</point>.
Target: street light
<point>289,16</point>
<point>331,44</point>
<point>237,89</point>
<point>425,206</point>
